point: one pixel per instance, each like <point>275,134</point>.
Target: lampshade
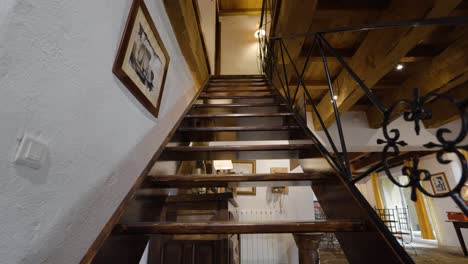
<point>222,164</point>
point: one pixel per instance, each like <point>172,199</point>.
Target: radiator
<point>263,248</point>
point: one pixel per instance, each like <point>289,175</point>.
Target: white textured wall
<point>438,207</point>
<point>56,80</point>
<point>239,45</point>
<point>445,232</point>
<point>360,138</point>
<point>298,205</point>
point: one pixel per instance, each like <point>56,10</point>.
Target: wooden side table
<point>458,224</point>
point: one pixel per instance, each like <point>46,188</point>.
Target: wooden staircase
<point>234,112</point>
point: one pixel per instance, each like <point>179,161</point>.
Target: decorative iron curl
<point>416,113</point>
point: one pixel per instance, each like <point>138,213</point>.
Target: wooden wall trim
<point>183,17</point>
<point>115,218</point>
<point>196,7</point>
<point>218,44</point>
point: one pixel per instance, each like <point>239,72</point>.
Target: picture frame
<point>244,167</point>
<point>439,183</point>
<point>279,189</point>
<point>142,60</point>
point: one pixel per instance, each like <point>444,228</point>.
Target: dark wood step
<point>147,191</point>
<point>238,76</point>
<point>240,89</point>
<point>244,133</point>
<point>238,105</point>
<point>239,81</point>
<point>250,96</point>
<point>239,115</point>
<point>239,128</point>
<point>236,180</point>
<point>235,152</point>
<point>141,228</point>
<point>244,94</point>
<point>240,85</point>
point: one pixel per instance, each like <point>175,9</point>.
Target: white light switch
<point>31,152</point>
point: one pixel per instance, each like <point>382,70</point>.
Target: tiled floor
<point>425,253</point>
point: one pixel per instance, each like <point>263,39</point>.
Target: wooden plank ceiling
<point>434,58</point>
<point>239,7</point>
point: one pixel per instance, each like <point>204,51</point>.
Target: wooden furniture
<point>168,246</point>
<point>459,225</point>
<point>308,245</point>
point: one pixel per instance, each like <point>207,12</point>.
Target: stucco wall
<point>238,45</point>
<point>56,81</point>
<point>445,233</point>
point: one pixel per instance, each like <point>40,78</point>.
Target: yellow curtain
<point>423,218</point>
<point>377,194</point>
<point>464,153</point>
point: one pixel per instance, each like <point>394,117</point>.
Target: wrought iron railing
<point>279,67</point>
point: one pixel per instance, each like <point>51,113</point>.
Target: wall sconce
<point>280,190</point>
<point>260,33</point>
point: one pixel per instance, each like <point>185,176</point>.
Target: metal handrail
<point>274,56</point>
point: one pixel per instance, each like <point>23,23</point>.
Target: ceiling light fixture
<point>399,67</point>
<point>260,33</point>
<point>335,97</point>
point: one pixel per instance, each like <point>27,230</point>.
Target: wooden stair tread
<point>239,128</point>
<point>233,152</point>
<point>246,82</point>
<point>240,147</point>
<point>240,90</point>
<point>239,115</point>
<point>199,197</point>
<point>238,76</point>
<point>225,227</point>
<point>240,85</point>
<point>236,180</point>
<point>208,96</point>
<point>238,105</point>
<point>235,93</point>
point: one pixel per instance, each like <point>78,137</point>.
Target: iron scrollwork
<point>415,111</point>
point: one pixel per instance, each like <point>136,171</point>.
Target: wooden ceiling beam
<point>451,66</point>
<point>241,12</point>
<point>381,50</point>
<point>355,4</point>
<point>296,17</point>
<point>444,112</point>
<point>418,53</point>
<point>322,85</point>
<point>375,157</point>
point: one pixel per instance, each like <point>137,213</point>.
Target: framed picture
<point>439,183</point>
<point>142,60</point>
<point>279,189</point>
<point>244,167</point>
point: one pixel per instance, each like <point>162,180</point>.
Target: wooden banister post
<point>308,245</point>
